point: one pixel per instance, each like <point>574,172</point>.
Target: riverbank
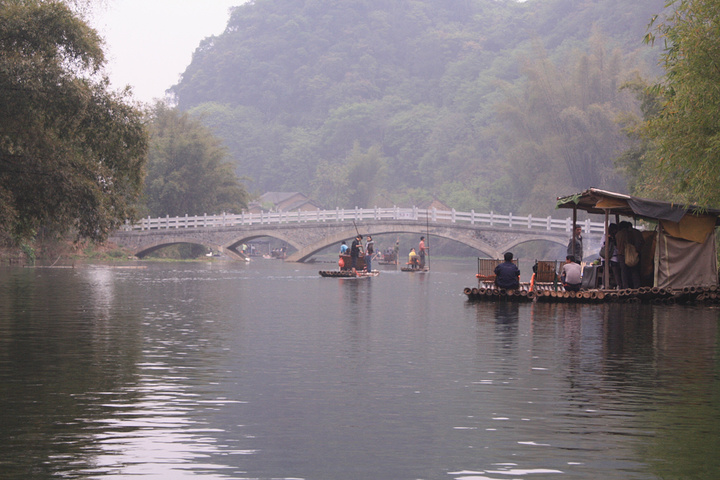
<point>61,251</point>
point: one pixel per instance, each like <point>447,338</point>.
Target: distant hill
<point>346,100</point>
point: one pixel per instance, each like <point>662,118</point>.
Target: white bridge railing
<point>363,214</point>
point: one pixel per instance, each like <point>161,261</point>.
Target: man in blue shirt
<point>507,274</point>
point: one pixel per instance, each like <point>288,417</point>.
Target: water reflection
<point>155,429</point>
<point>93,386</point>
<point>273,372</point>
<point>635,380</point>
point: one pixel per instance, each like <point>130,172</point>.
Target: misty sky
<point>150,42</point>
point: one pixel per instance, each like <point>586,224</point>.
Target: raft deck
<point>657,296</point>
<point>348,273</point>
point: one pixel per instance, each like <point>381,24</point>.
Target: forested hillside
<point>483,104</point>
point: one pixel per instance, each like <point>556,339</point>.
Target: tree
<point>635,163</point>
<point>686,133</point>
<point>366,173</point>
<point>187,172</point>
<point>71,152</point>
<point>559,130</point>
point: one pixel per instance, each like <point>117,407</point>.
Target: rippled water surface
<point>267,370</point>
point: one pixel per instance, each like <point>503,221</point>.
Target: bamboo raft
<point>347,273</point>
<point>410,269</point>
<point>645,295</point>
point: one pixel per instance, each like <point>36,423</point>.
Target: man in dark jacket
<point>627,234</point>
<point>507,274</point>
<point>355,249</point>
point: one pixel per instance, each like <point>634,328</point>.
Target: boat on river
<point>415,269</point>
<point>348,273</point>
<point>389,257</point>
<point>345,269</point>
<point>677,261</point>
<point>706,295</point>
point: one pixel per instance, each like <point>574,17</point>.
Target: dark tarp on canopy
<point>685,238</point>
<point>597,201</point>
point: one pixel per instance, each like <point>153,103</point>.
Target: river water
<point>266,370</point>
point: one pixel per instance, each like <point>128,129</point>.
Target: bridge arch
<point>148,249</point>
<point>511,245</point>
<point>486,242</point>
<point>315,231</point>
<point>282,235</point>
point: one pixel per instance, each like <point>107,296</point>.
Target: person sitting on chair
<point>507,274</point>
<point>571,276</point>
<point>413,259</point>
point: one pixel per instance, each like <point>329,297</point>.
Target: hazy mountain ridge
<point>352,101</point>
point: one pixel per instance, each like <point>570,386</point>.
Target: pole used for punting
<point>427,247</point>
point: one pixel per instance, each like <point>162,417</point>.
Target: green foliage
<point>257,144</point>
<point>187,172</point>
<point>330,184</point>
<point>71,152</point>
<point>366,174</point>
<point>685,133</point>
<point>635,163</point>
<point>444,89</point>
<point>29,252</point>
<point>560,129</point>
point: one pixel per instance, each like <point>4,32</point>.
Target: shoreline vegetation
<point>48,253</point>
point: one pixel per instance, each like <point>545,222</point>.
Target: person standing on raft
<point>369,251</point>
<point>355,249</point>
<point>421,252</point>
<point>575,245</point>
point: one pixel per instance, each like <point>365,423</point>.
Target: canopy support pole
<point>572,234</point>
<point>606,264</point>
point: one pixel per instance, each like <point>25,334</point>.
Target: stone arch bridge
<point>311,232</point>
